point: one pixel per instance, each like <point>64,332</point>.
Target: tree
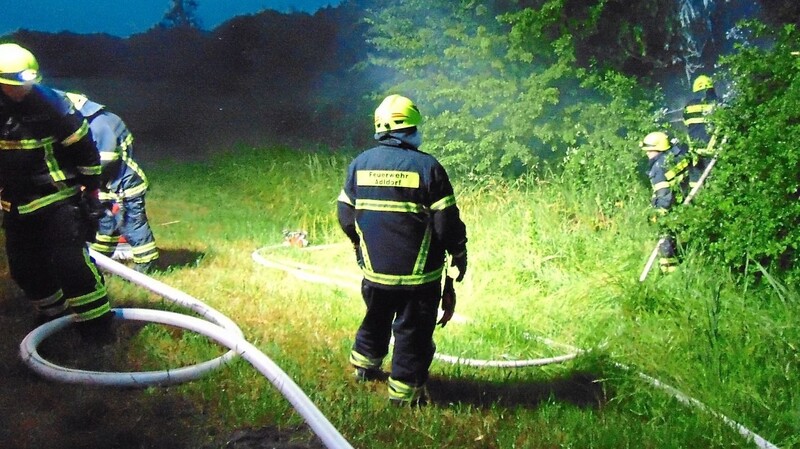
<point>182,14</point>
<point>502,91</point>
<point>750,209</point>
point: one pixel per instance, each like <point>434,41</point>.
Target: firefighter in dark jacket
<point>50,179</point>
<point>123,186</point>
<point>399,210</point>
<point>669,175</point>
<point>702,139</point>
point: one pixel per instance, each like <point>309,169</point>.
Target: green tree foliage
<point>502,91</point>
<point>750,211</point>
<point>181,14</point>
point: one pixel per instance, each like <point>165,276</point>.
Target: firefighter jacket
<point>669,176</point>
<point>398,207</point>
<point>695,117</point>
<point>46,152</point>
<point>121,177</point>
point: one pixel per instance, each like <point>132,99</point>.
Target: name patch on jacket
<point>387,178</point>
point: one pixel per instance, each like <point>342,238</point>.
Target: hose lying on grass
<point>314,274</point>
<point>216,326</point>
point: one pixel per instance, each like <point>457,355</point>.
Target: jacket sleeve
<point>447,224</point>
<point>663,197</point>
<point>346,207</point>
<point>74,135</point>
<point>105,139</point>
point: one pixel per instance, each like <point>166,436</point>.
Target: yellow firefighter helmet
<point>396,112</point>
<point>655,141</point>
<point>18,66</point>
<point>702,82</point>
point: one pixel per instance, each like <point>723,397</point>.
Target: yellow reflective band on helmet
<point>389,206</point>
<point>387,178</point>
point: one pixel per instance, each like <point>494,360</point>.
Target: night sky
<point>125,17</point>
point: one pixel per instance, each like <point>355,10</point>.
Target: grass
<point>545,262</point>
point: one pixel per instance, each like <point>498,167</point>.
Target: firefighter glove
<point>91,205</point>
<point>92,211</point>
<point>448,301</point>
<point>460,262</point>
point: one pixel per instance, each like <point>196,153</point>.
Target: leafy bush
<point>750,210</point>
<point>502,93</point>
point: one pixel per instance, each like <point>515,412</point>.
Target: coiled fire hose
<point>216,326</point>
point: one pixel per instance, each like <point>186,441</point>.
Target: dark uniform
<point>398,207</point>
<point>669,176</point>
<point>702,142</point>
<point>123,186</point>
<point>47,158</point>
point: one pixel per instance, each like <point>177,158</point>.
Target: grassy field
<point>546,265</point>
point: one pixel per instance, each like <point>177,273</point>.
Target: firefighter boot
<point>97,331</point>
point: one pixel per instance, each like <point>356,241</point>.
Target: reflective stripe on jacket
<point>668,175</point>
<point>122,177</point>
<point>45,151</point>
<point>398,205</point>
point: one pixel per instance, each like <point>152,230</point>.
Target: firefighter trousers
<point>129,222</point>
<point>411,316</point>
<point>48,259</point>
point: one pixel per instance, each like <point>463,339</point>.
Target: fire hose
<point>311,273</point>
<point>215,326</point>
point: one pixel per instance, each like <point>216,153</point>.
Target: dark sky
<point>125,17</point>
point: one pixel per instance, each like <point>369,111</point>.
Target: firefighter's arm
<point>106,141</point>
<point>447,223</point>
<point>346,213</point>
<point>662,191</point>
<point>73,133</point>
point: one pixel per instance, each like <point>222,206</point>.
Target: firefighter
<point>50,179</point>
<point>668,171</point>
<point>399,210</point>
<point>702,139</point>
<point>123,186</point>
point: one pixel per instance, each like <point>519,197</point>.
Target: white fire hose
<point>216,326</point>
<point>313,274</point>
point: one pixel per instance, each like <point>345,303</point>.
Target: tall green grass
<point>545,262</point>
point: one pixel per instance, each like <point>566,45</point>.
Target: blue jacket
<point>122,177</point>
<point>668,173</point>
<point>398,207</point>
